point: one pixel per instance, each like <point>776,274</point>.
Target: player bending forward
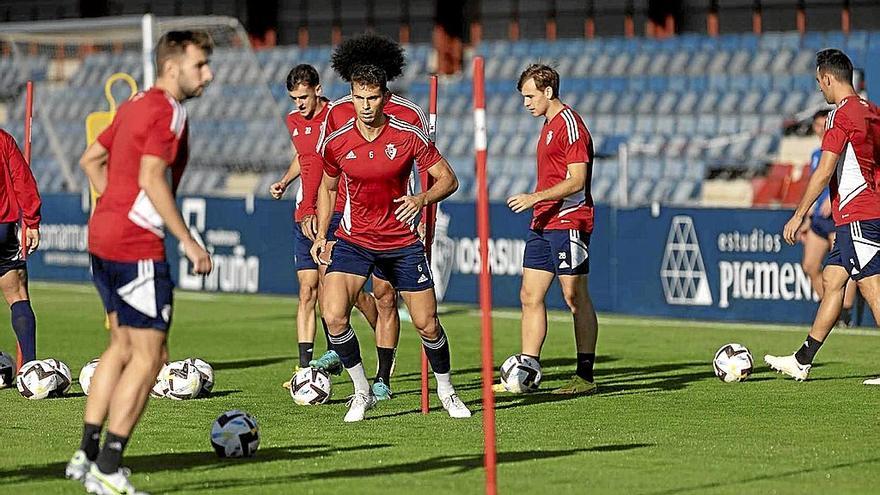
<point>127,166</point>
<point>850,150</point>
<point>371,156</point>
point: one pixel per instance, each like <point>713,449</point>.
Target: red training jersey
<point>125,226</point>
<point>852,131</point>
<point>19,197</point>
<point>342,110</point>
<point>564,140</point>
<point>374,174</point>
<point>304,134</point>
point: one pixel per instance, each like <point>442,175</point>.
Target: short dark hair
<point>302,74</point>
<point>544,76</point>
<point>369,75</point>
<point>820,114</point>
<point>835,62</point>
<point>174,43</point>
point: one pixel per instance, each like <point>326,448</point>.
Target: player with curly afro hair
<point>368,49</point>
<point>388,56</point>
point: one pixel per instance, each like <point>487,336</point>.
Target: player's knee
<point>812,268</point>
<point>336,321</point>
<point>386,300</point>
<point>308,295</point>
<point>427,325</point>
<point>530,298</point>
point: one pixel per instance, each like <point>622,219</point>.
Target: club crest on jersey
<point>390,151</point>
<point>549,137</point>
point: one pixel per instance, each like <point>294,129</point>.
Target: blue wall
<point>726,264</point>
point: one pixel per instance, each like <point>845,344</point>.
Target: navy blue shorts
<point>10,248</point>
<point>407,269</point>
<point>563,252</point>
<point>856,247</point>
<point>302,245</point>
<point>822,226</point>
<point>140,293</point>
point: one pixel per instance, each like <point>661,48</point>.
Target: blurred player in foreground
<point>127,166</point>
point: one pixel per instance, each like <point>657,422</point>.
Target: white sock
<point>444,384</point>
<point>359,378</point>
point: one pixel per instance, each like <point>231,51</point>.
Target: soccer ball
<point>310,387</point>
<point>207,373</point>
<point>85,375</point>
<point>235,434</point>
<point>160,388</point>
<point>520,374</point>
<point>7,370</point>
<point>63,379</point>
<point>733,363</point>
<point>184,380</point>
<point>36,379</point>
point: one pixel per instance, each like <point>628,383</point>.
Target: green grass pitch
<point>661,424</point>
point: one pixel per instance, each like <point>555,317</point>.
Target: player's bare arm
<point>94,163</point>
<point>818,181</point>
<point>324,209</point>
<point>445,183</point>
<point>277,189</point>
<point>151,179</point>
<point>577,178</point>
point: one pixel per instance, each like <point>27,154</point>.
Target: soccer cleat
<point>788,365</point>
<point>109,484</point>
<point>455,407</point>
<point>77,466</point>
<point>358,404</point>
<point>328,362</point>
<point>381,391</point>
<point>577,386</point>
<point>287,383</point>
<point>872,381</point>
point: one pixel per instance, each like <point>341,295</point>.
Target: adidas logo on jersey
<point>295,132</point>
<point>564,264</point>
<point>422,279</point>
<point>549,136</point>
<point>351,155</point>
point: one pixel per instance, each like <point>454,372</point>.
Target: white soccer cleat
<point>358,404</point>
<point>109,484</point>
<point>77,466</point>
<point>788,365</point>
<point>872,381</point>
<point>455,407</point>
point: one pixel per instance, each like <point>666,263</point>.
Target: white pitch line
<point>670,323</point>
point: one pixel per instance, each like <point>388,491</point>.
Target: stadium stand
<point>683,105</point>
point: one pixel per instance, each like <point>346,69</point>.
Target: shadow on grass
<point>217,393</point>
<point>154,463</point>
<point>250,363</point>
<point>454,464</point>
<point>740,482</point>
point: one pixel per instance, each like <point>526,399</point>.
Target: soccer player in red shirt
<point>304,125</point>
<point>127,166</point>
<point>562,222</point>
<point>849,167</point>
<point>19,198</point>
<point>371,157</point>
<point>372,49</point>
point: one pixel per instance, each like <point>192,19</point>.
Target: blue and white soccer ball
<point>310,387</point>
<point>184,380</point>
<point>733,363</point>
<point>7,370</point>
<point>520,374</point>
<point>85,375</point>
<point>36,379</point>
<point>63,379</point>
<point>207,372</point>
<point>235,434</point>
